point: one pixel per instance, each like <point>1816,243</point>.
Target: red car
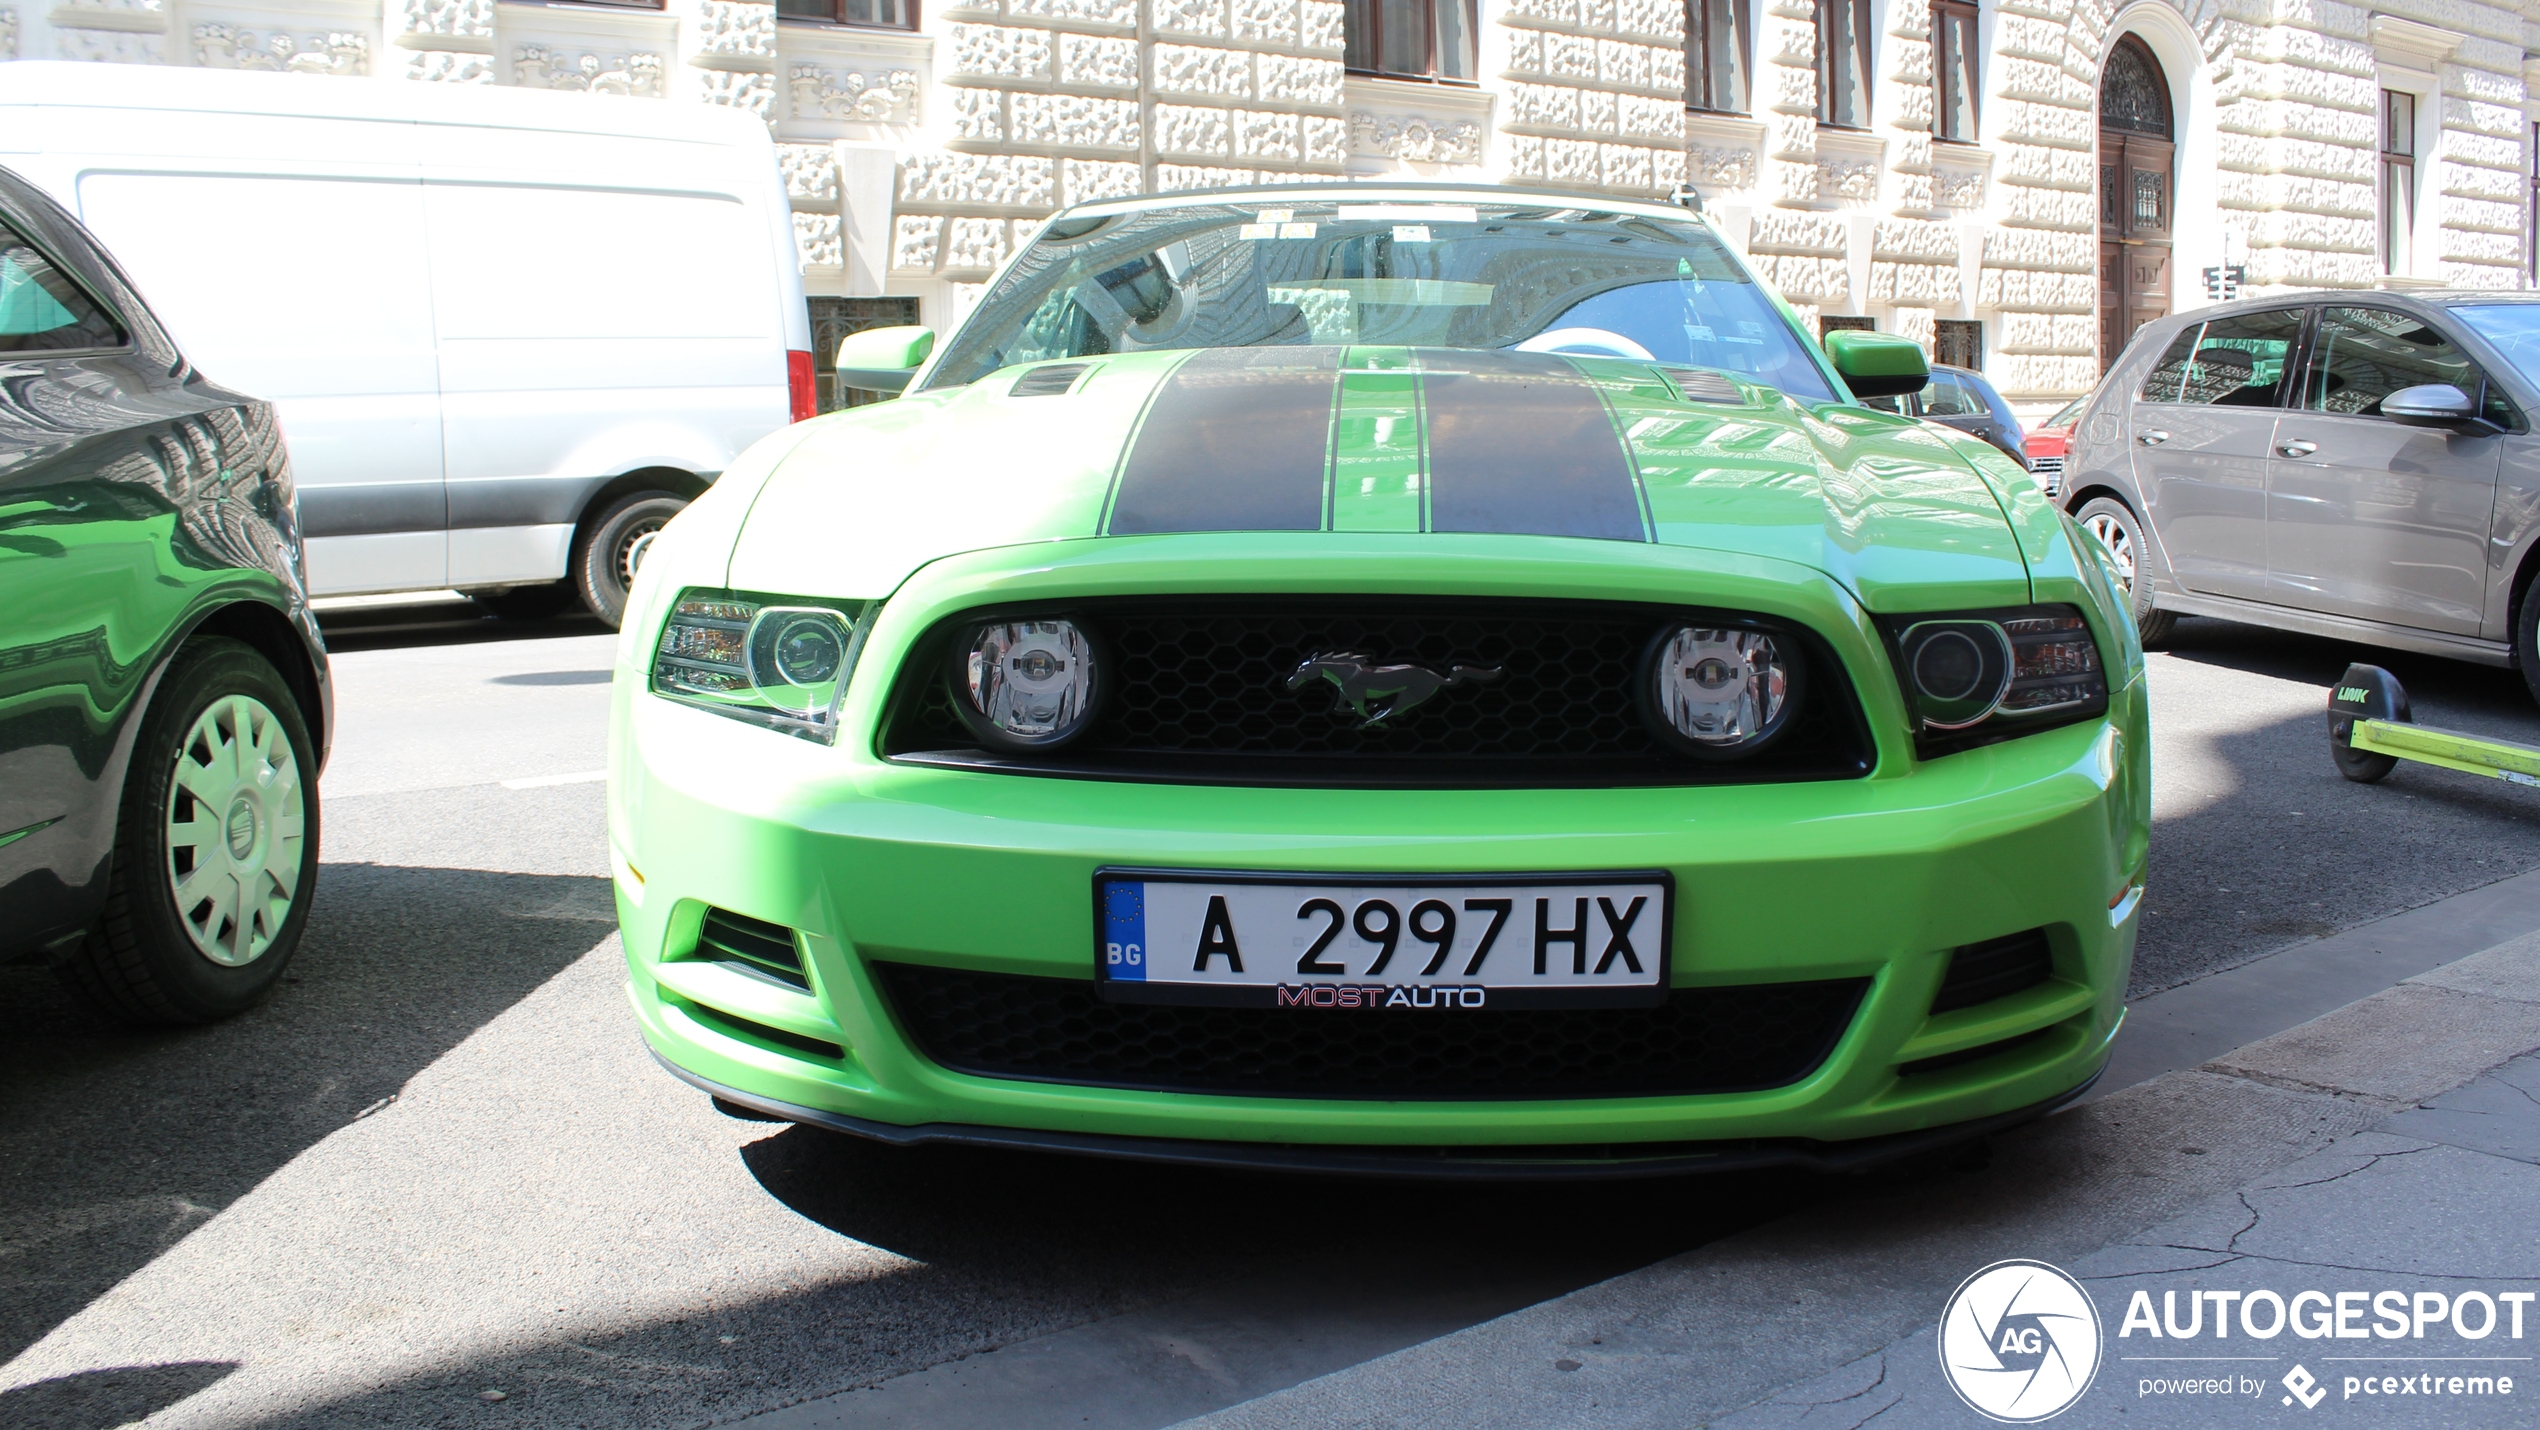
<point>2045,445</point>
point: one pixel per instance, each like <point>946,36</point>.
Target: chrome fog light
<point>1027,685</point>
<point>1722,692</point>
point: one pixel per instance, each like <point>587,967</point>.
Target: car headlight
<point>1721,692</point>
<point>771,660</point>
<point>1975,676</point>
<point>1026,684</point>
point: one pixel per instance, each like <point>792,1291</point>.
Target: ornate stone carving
<point>227,47</point>
<point>110,46</point>
<point>1957,188</point>
<point>450,17</point>
<point>811,171</point>
<point>1725,168</point>
<point>449,67</point>
<point>869,99</point>
<point>1415,140</point>
<point>1849,180</point>
<point>8,34</point>
<point>755,93</point>
<point>537,67</point>
<point>817,237</point>
<point>740,28</point>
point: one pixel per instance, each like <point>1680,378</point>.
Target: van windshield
<point>1530,276</point>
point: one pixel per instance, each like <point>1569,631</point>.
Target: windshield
<point>1532,277</point>
<point>2065,416</point>
<point>2515,330</point>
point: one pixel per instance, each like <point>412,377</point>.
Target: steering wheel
<point>1597,341</point>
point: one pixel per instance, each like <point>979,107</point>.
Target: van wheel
<point>216,846</point>
<point>613,546</point>
<point>2114,524</point>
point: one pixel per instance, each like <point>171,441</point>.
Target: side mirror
<point>1877,364</point>
<point>2433,404</point>
<point>883,359</point>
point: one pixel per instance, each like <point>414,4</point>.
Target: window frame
<point>1858,11</point>
<point>1971,60</point>
<point>1374,11</point>
<point>2396,236</point>
<point>2297,359</point>
<point>1698,49</point>
<point>12,227</point>
<point>2310,352</point>
<point>835,19</point>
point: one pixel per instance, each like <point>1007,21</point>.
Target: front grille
<point>1702,1040</point>
<point>753,945</point>
<point>2049,472</point>
<point>1199,693</point>
<point>1995,968</point>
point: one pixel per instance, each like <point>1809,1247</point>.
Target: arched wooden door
<point>2137,194</point>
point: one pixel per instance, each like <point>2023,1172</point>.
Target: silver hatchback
<point>2353,465</point>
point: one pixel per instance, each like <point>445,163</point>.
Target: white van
<point>509,333</point>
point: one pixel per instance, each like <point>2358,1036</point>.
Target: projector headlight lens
<point>1999,672</point>
<point>1027,684</point>
<point>1722,692</point>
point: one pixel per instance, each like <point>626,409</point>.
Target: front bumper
<point>1875,879</point>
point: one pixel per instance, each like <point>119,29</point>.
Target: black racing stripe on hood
<point>1237,440</point>
<point>1520,443</point>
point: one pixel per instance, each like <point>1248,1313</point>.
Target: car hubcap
<point>2120,543</point>
<point>631,548</point>
<point>236,818</point>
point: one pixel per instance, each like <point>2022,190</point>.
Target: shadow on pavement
<point>103,1399</point>
<point>116,1142</point>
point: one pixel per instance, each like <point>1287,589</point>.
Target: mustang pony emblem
<point>1376,693</point>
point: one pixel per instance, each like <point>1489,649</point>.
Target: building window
<point>1411,39</point>
<point>878,14</point>
<point>1715,55</point>
<point>2531,227</point>
<point>1953,56</point>
<point>2398,177</point>
<point>1843,63</point>
<point>833,319</point>
<point>1958,342</point>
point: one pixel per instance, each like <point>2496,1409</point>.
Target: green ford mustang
<point>1381,679</point>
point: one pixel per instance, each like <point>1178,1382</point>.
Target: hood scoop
<point>1054,380</point>
<point>1697,385</point>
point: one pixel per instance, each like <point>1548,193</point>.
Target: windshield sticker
<point>1274,215</point>
<point>1411,233</point>
<point>1296,230</point>
<point>1257,230</point>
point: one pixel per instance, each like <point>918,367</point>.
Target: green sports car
<point>1445,680</point>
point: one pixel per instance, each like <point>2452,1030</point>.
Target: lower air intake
<point>1732,1039</point>
<point>1995,968</point>
<point>755,944</point>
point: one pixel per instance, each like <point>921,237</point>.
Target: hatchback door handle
<point>2298,448</point>
<point>2153,439</point>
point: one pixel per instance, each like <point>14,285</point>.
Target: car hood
<point>1368,439</point>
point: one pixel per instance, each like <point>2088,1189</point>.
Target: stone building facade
<point>2016,194</point>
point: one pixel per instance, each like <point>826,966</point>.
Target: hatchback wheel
<point>604,565</point>
<point>216,846</point>
<point>2114,524</point>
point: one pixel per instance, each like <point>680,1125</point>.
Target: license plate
<point>1384,943</point>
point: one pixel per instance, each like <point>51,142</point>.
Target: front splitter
<point>1560,1163</point>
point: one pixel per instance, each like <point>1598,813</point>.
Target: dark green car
<point>164,698</point>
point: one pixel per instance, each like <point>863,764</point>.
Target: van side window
<point>2228,362</point>
<point>41,310</point>
<point>2362,355</point>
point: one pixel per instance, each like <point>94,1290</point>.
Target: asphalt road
<point>439,1167</point>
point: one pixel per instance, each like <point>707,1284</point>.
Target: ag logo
<point>2019,1341</point>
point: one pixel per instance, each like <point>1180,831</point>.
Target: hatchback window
<point>41,310</point>
<point>2228,362</point>
<point>1948,397</point>
<point>2362,355</point>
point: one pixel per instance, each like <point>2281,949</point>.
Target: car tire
<point>611,547</point>
<point>530,603</point>
<point>2527,636</point>
<point>199,928</point>
<point>2117,527</point>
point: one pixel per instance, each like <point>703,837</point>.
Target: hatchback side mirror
<point>2433,404</point>
<point>883,359</point>
<point>1877,364</point>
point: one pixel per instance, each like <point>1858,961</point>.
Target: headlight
<point>1973,676</point>
<point>1721,692</point>
<point>1026,685</point>
<point>770,660</point>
